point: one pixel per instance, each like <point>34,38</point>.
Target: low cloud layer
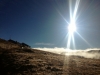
<point>88,53</point>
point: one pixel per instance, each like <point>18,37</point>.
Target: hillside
<point>17,61</point>
<point>9,44</point>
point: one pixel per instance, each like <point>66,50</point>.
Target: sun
<point>72,28</point>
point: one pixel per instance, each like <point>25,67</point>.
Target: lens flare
<point>72,25</point>
<point>72,28</point>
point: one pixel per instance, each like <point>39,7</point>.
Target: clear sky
<point>43,23</point>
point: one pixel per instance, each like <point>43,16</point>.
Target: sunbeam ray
<point>71,30</point>
<point>70,9</point>
<point>62,17</point>
<point>72,24</point>
<point>69,40</point>
<point>83,39</point>
<point>76,8</point>
<point>73,41</point>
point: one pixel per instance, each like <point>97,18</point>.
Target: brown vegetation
<point>9,44</point>
<point>16,61</point>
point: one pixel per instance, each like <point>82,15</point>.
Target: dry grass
<point>17,61</point>
<point>7,45</point>
<point>35,62</point>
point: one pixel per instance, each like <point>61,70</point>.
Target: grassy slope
<point>36,62</point>
<point>7,45</point>
<point>17,61</point>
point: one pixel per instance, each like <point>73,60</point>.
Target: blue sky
<point>40,23</point>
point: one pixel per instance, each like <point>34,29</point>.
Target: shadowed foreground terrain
<point>26,61</point>
<point>36,62</point>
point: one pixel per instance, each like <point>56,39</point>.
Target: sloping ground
<point>36,62</point>
<point>7,45</point>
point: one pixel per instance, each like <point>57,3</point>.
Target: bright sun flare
<point>72,28</point>
<point>72,25</point>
